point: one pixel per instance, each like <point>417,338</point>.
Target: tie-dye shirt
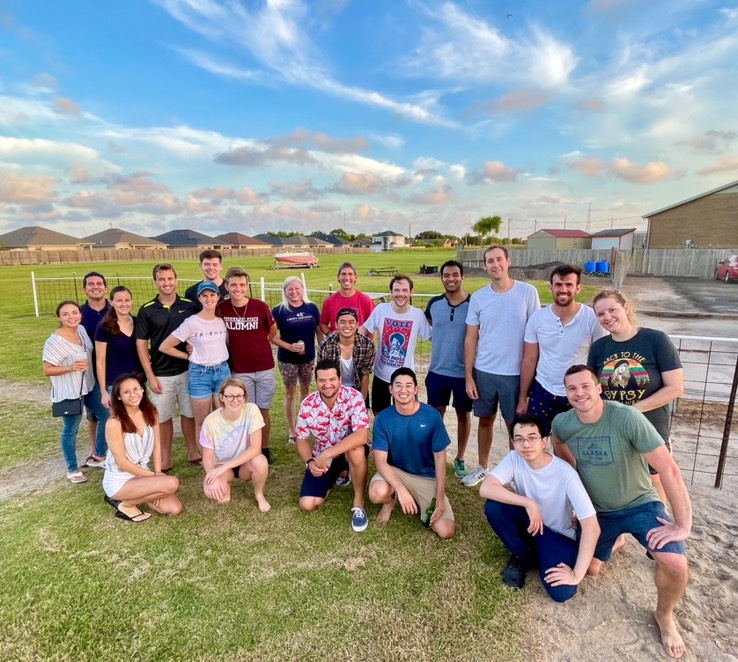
<point>229,439</point>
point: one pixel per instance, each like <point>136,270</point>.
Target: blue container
<point>590,267</point>
<point>603,267</point>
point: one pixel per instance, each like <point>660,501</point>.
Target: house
<point>121,240</point>
<point>558,240</point>
<point>364,242</point>
<point>36,238</point>
<point>186,239</point>
<point>274,242</point>
<point>388,240</point>
<point>238,240</point>
<point>707,220</point>
<point>622,240</point>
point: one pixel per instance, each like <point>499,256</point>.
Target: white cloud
<point>40,148</point>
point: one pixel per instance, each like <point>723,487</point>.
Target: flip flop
<point>141,517</point>
<point>111,502</point>
<point>197,461</point>
<point>77,477</point>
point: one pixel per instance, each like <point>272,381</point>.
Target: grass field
<point>227,582</point>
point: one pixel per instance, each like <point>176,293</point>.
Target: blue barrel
<point>603,267</point>
<point>590,267</point>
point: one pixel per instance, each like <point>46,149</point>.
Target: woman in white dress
<point>231,445</point>
<point>132,432</point>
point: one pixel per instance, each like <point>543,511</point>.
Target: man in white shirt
<point>555,338</point>
<point>493,350</point>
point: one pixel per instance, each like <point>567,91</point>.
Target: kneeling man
<point>409,445</point>
<point>612,446</point>
<point>335,417</point>
<point>535,521</point>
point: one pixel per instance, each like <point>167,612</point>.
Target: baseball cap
<point>347,311</point>
<point>207,285</point>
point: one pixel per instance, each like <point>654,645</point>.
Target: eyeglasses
<point>531,439</point>
<point>136,390</point>
<point>234,398</point>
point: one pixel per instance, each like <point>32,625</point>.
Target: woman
<point>231,445</point>
<point>67,360</point>
<point>206,334</point>
<point>115,343</point>
<point>298,321</point>
<point>636,366</point>
<point>133,439</point>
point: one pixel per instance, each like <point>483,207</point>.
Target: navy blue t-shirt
<point>294,325</point>
<point>121,356</point>
<point>411,440</point>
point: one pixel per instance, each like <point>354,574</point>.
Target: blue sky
<point>367,114</point>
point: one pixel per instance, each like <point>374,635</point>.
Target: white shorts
<point>174,391</point>
<point>260,385</point>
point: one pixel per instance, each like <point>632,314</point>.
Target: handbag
<point>70,406</point>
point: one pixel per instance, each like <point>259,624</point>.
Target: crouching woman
<point>132,433</point>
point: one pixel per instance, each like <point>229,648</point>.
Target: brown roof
<point>238,239</point>
<point>35,235</point>
<point>109,238</point>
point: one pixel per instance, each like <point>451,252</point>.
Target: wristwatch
<point>307,462</point>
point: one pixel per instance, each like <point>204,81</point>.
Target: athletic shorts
<point>260,385</point>
<point>319,486</point>
<point>381,398</point>
<point>204,380</point>
<point>291,372</point>
<point>174,392</point>
<point>637,521</point>
<point>494,391</point>
<point>421,489</point>
<point>440,388</point>
<point>546,406</point>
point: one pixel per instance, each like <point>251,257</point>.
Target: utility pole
<point>589,218</point>
<point>611,220</point>
<point>509,223</point>
<point>564,221</point>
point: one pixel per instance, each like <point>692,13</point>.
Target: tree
<point>340,232</point>
<point>486,226</point>
<point>429,234</point>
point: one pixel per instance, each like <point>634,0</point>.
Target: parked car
<point>727,269</point>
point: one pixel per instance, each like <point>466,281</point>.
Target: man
<point>93,310</point>
<point>409,445</point>
<point>611,446</point>
<point>351,351</point>
<point>347,297</point>
<point>493,350</point>
<point>167,375</point>
<point>534,521</point>
<point>211,264</point>
<point>251,327</point>
<point>399,325</point>
<point>555,338</point>
<point>447,315</point>
<point>336,419</point>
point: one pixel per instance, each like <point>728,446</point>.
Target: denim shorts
<point>637,521</point>
<point>205,380</point>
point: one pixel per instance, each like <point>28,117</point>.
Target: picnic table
<point>383,271</point>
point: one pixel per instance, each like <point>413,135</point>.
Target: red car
<point>727,269</point>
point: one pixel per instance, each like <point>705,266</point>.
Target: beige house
<point>546,240</point>
<point>120,240</point>
<point>36,238</point>
<point>238,240</point>
<point>388,241</point>
<point>708,220</point>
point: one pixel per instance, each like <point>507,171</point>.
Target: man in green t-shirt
<point>611,446</point>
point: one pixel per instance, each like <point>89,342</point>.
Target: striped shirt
<point>61,352</point>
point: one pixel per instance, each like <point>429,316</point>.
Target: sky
<point>366,115</point>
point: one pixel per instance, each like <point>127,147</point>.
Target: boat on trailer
<point>295,260</point>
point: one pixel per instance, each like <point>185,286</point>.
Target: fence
<point>702,420</point>
<point>693,263</point>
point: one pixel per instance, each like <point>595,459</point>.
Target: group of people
<point>587,379</point>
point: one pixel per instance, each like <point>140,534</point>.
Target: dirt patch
<point>15,392</point>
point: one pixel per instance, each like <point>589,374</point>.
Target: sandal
<point>77,477</point>
<point>292,439</point>
<point>140,517</point>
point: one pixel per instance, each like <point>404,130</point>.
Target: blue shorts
<point>440,388</point>
<point>496,390</point>
<point>319,486</point>
<point>637,521</point>
<point>545,406</point>
<point>204,380</point>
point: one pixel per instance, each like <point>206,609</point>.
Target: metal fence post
<point>263,288</point>
<point>35,294</point>
<point>726,429</point>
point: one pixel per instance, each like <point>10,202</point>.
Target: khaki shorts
<point>260,386</point>
<point>422,490</point>
<point>174,391</point>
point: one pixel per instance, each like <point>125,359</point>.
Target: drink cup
<point>82,356</point>
<point>300,346</point>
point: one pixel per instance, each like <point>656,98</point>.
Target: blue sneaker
<point>359,519</point>
<point>343,481</point>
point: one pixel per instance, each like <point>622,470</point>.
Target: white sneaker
<point>475,476</point>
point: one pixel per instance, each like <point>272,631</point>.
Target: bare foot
<point>386,512</point>
<point>264,505</point>
<point>618,543</point>
<point>670,637</point>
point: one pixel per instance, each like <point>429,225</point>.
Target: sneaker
<point>475,476</point>
<point>514,573</point>
<point>77,477</point>
<point>267,453</point>
<point>460,468</point>
<point>92,461</point>
<point>359,520</point>
<point>343,481</point>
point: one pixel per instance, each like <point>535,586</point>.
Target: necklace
<point>235,310</point>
